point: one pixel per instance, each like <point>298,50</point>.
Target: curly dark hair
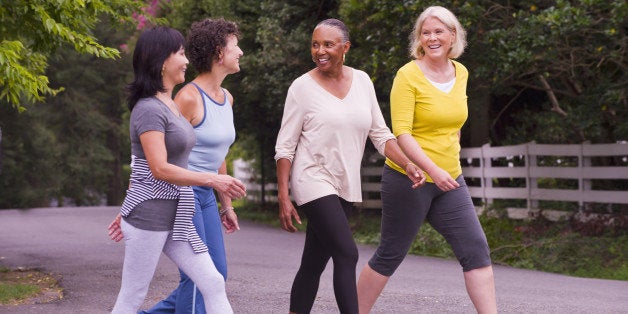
<point>205,40</point>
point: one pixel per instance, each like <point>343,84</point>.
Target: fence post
<point>531,182</point>
<point>583,184</point>
<point>487,182</point>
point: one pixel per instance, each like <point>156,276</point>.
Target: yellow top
<point>431,116</point>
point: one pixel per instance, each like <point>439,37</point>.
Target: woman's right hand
<point>115,230</point>
<point>443,180</point>
<point>415,173</point>
<point>286,213</point>
<point>230,186</point>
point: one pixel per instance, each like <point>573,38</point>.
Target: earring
<point>220,61</point>
<point>162,71</point>
<point>343,57</point>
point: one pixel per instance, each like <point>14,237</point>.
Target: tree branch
<point>552,97</point>
<point>506,107</point>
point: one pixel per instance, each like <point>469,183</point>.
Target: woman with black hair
<point>159,205</point>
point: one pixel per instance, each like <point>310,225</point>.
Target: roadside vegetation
<point>566,247</point>
<point>27,286</point>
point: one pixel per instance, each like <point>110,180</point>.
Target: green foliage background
<point>550,71</point>
<point>31,30</point>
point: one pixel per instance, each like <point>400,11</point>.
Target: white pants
<point>142,251</point>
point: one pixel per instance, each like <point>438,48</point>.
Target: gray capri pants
<point>451,213</point>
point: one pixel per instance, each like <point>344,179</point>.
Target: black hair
<point>153,47</point>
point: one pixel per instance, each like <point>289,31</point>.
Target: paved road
<point>72,243</point>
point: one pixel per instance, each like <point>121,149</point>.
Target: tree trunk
<point>263,171</point>
<point>114,188</point>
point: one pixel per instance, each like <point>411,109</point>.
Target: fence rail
<point>532,171</point>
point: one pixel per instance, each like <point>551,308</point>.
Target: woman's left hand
<point>443,180</point>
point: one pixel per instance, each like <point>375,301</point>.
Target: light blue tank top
<point>214,135</point>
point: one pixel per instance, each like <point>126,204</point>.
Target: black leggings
<point>327,235</point>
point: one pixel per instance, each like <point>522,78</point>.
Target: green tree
<point>379,40</point>
<point>70,146</point>
<point>29,176</point>
<point>89,119</point>
<point>32,29</point>
<point>559,65</point>
<point>74,146</point>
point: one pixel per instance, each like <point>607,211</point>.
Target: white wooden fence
<point>581,169</point>
<point>242,171</point>
<point>525,166</point>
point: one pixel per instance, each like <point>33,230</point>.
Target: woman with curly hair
<point>212,48</point>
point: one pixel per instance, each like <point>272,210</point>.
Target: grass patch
<point>27,286</point>
<point>11,292</point>
<point>557,247</point>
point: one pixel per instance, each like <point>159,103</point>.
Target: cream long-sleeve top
<point>324,137</point>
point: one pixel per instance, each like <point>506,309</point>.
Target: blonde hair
<point>452,23</point>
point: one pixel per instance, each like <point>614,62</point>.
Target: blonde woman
<point>428,107</point>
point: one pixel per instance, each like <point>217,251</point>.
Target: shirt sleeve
<point>291,127</point>
<point>402,104</point>
<point>379,132</point>
<point>147,117</point>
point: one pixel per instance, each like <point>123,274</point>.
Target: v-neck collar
<point>329,93</point>
<point>424,77</point>
<point>176,114</point>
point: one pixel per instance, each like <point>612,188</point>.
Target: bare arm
<point>153,144</point>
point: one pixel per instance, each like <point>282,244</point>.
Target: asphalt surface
<point>73,244</point>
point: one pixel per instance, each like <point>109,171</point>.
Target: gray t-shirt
<point>150,114</point>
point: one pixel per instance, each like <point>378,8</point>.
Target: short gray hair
<point>337,24</point>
